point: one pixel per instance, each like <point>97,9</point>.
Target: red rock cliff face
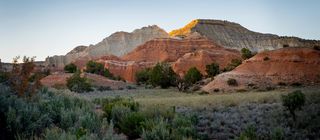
<point>268,69</point>
<point>168,50</point>
<point>201,58</point>
<point>182,53</point>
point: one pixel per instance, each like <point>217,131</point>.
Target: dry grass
<point>166,98</point>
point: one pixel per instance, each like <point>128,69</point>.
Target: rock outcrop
<point>287,66</point>
<point>117,44</point>
<point>235,36</point>
<point>201,58</point>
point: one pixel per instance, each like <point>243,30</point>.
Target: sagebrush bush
<point>159,131</point>
<point>109,104</point>
<point>293,101</point>
<point>132,124</point>
<point>78,84</point>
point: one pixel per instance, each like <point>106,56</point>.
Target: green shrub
<point>212,69</point>
<point>78,84</point>
<point>159,131</point>
<point>132,125</point>
<point>183,126</point>
<point>98,68</point>
<point>193,75</point>
<point>103,88</point>
<point>143,76</point>
<point>249,134</point>
<point>162,75</point>
<point>4,76</point>
<point>316,48</point>
<point>266,58</point>
<point>118,112</point>
<point>109,104</point>
<point>70,68</point>
<point>293,101</point>
<point>234,63</point>
<point>246,53</point>
<point>232,82</point>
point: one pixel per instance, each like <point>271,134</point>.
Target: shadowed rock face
<point>233,35</point>
<point>272,68</point>
<point>117,44</point>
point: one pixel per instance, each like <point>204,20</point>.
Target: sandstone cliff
<point>181,53</point>
<point>233,35</point>
<point>287,66</point>
<point>118,44</point>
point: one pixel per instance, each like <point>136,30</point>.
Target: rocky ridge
<point>117,44</point>
<point>233,35</point>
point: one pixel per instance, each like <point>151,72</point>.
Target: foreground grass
<point>166,98</point>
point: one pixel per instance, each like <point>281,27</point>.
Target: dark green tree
<point>98,68</point>
<point>212,69</point>
<point>246,53</point>
<point>70,68</point>
<point>293,101</point>
<point>193,75</point>
<point>234,63</point>
<point>78,84</point>
<point>162,75</point>
<point>143,76</point>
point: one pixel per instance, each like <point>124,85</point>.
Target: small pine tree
<point>212,69</point>
<point>193,75</point>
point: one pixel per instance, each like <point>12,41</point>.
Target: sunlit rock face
<point>233,35</point>
<point>117,44</point>
<point>287,66</point>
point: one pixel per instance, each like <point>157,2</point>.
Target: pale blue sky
<point>44,28</point>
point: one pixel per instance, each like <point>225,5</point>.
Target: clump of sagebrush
<point>50,115</point>
<point>70,68</point>
<point>212,69</point>
<point>78,84</point>
<point>149,124</point>
<point>293,101</point>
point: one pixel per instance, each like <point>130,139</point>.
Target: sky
<point>44,28</point>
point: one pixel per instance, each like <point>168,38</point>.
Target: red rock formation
<point>201,58</point>
<point>202,51</point>
<point>60,79</point>
<point>269,69</point>
<point>168,49</point>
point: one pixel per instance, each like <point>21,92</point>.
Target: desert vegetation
<point>70,68</point>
